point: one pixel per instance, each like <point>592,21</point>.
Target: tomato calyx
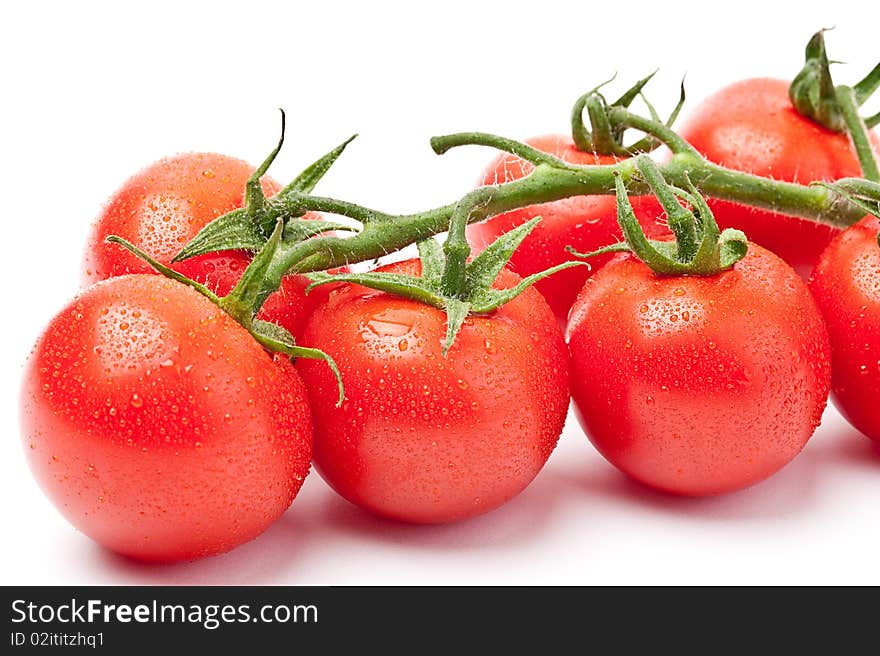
<point>814,94</point>
<point>699,248</point>
<point>246,229</point>
<point>245,300</point>
<point>451,282</point>
<point>604,136</point>
<point>249,227</point>
<point>864,194</point>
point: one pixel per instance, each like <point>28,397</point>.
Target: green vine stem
<point>551,180</point>
<point>858,132</point>
<point>381,233</point>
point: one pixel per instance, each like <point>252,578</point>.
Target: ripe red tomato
<point>163,206</point>
<point>426,438</point>
<point>752,126</point>
<point>583,222</point>
<point>846,285</point>
<point>698,385</point>
<point>158,426</point>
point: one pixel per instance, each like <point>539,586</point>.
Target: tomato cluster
<point>164,430</point>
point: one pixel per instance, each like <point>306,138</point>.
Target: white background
<point>91,93</point>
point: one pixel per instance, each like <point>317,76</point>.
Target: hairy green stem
<point>858,132</point>
<point>547,184</point>
<point>624,118</point>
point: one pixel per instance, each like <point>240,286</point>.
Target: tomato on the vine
<point>846,285</point>
<point>698,385</point>
<point>584,222</point>
<point>752,126</point>
<point>428,438</point>
<point>158,426</point>
<point>164,206</point>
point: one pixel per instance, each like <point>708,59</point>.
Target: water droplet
<point>136,401</point>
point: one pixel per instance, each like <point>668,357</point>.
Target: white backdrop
<point>93,92</point>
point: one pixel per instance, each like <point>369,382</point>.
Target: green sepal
<point>482,271</point>
<point>249,227</point>
<point>431,256</point>
<point>732,247</point>
<point>252,288</point>
<point>306,181</point>
<point>605,137</point>
<point>398,284</point>
<point>864,194</point>
<point>700,248</point>
<point>812,90</point>
<point>164,270</point>
<point>814,94</point>
<point>269,335</point>
<point>255,208</point>
<point>232,231</point>
<point>487,299</point>
<point>277,339</point>
<point>647,144</point>
<point>456,312</point>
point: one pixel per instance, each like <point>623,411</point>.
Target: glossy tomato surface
<point>426,438</point>
<point>846,285</point>
<point>698,385</point>
<point>752,126</point>
<point>164,206</point>
<point>584,222</point>
<point>158,426</point>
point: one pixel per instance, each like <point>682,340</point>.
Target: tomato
<point>698,385</point>
<point>426,438</point>
<point>158,426</point>
<point>583,222</point>
<point>163,206</point>
<point>752,126</point>
<point>846,286</point>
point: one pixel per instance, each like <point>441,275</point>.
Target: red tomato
<point>163,206</point>
<point>752,126</point>
<point>584,222</point>
<point>158,426</point>
<point>426,438</point>
<point>698,385</point>
<point>846,286</point>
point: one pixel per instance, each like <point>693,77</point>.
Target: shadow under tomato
<point>253,563</point>
<point>847,447</point>
<point>788,492</point>
<point>792,491</point>
<point>320,521</point>
<point>518,521</point>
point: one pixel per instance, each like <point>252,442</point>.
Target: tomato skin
<point>427,439</point>
<point>164,206</point>
<point>846,286</point>
<point>158,426</point>
<point>586,223</point>
<point>698,386</point>
<point>752,126</point>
